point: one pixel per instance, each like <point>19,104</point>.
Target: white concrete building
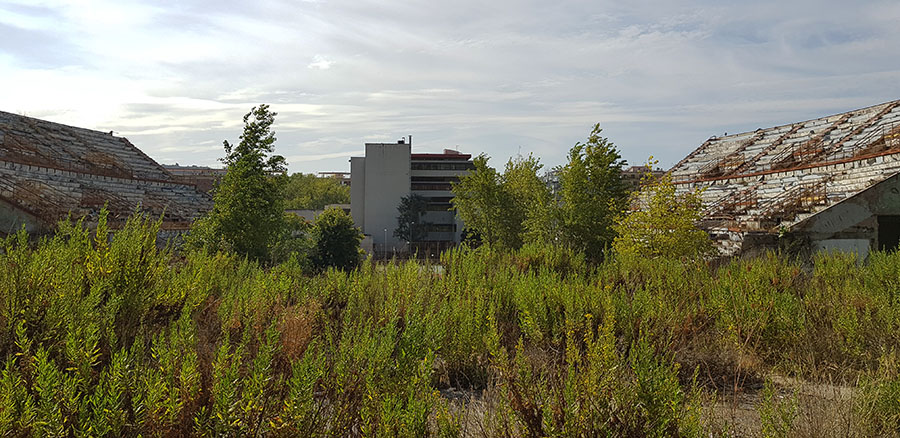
<point>389,172</point>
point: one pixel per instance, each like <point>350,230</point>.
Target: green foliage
<point>663,225</point>
<point>410,222</point>
<point>879,404</point>
<point>777,412</point>
<point>247,216</point>
<point>505,209</point>
<point>534,209</point>
<point>309,192</point>
<point>591,194</point>
<point>515,207</point>
<point>482,204</point>
<point>336,241</point>
<point>596,391</point>
<point>103,334</point>
<point>295,243</point>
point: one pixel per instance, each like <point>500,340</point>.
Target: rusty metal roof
<point>50,170</point>
<point>770,179</point>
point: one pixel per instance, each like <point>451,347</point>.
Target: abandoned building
<point>49,171</point>
<point>633,176</point>
<point>203,178</point>
<point>390,171</point>
<point>823,184</point>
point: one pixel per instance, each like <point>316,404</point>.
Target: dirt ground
<point>820,410</point>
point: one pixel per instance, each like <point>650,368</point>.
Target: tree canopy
<point>663,224</point>
<point>336,241</point>
<point>411,225</point>
<point>515,207</point>
<point>592,195</point>
<point>504,208</point>
<point>309,192</point>
<point>248,212</point>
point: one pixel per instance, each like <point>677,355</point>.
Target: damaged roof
<point>770,179</point>
<point>49,170</point>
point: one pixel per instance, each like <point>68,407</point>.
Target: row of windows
<point>446,179</point>
<point>441,166</point>
<point>437,199</point>
<point>438,207</point>
<point>442,187</point>
<point>441,228</point>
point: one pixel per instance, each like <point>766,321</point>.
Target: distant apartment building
<point>342,177</point>
<point>389,172</point>
<point>634,175</point>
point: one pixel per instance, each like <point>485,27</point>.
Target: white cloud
<point>486,76</point>
<point>320,63</point>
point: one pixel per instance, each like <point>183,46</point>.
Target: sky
<point>499,77</point>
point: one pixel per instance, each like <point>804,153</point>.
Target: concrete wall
<point>358,191</point>
<point>852,224</point>
<point>881,199</point>
<point>12,220</point>
<point>440,218</point>
<point>307,215</point>
<point>859,247</point>
<point>387,181</point>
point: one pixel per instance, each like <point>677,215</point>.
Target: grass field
<point>114,337</point>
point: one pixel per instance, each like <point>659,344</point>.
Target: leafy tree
<point>505,209</point>
<point>482,204</point>
<point>663,225</point>
<point>410,223</point>
<point>309,192</point>
<point>248,214</point>
<point>294,242</point>
<point>591,195</point>
<point>336,241</point>
<point>535,210</point>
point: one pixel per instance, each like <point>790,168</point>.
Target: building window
<point>434,179</point>
<point>425,186</point>
<point>441,166</point>
<point>442,228</point>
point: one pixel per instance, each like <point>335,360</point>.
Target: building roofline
<point>715,138</point>
<point>804,122</point>
<point>440,156</point>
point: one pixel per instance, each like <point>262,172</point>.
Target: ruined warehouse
<point>49,170</point>
<point>827,183</point>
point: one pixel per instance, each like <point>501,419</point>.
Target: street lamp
<point>385,243</point>
<point>411,225</point>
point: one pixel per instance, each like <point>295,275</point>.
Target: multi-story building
<point>633,176</point>
<point>389,172</point>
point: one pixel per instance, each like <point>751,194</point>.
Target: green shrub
<point>102,333</point>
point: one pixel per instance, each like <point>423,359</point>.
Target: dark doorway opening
<point>888,232</point>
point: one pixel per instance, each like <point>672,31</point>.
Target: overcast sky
<point>500,77</point>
